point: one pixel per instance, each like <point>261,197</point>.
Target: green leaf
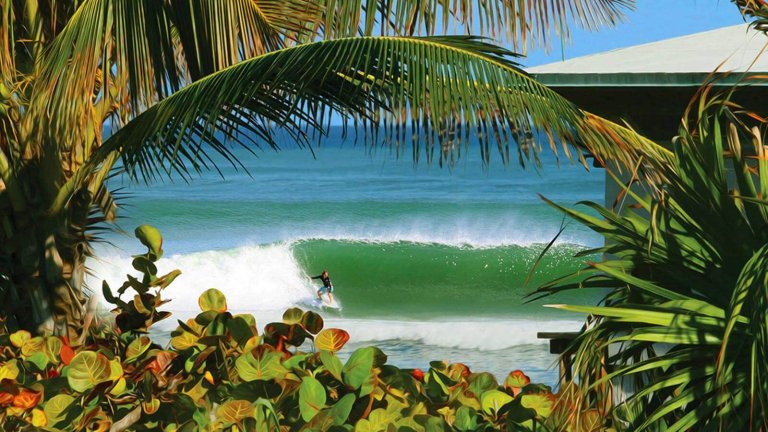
<point>136,348</point>
<point>87,370</point>
<point>341,409</point>
<point>150,237</point>
<point>358,369</point>
<point>542,403</point>
<point>480,383</point>
<point>331,339</point>
<point>240,330</point>
<point>493,400</point>
<point>212,300</point>
<point>292,315</point>
<point>332,364</point>
<point>56,408</point>
<point>466,419</point>
<point>39,359</point>
<point>260,364</point>
<point>311,398</point>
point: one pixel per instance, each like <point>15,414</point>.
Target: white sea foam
<point>467,333</point>
<point>254,277</point>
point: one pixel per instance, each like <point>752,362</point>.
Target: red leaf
<point>67,354</point>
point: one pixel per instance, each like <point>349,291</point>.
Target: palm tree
<point>681,336</point>
<point>178,80</point>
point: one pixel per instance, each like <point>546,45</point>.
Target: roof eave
<point>690,79</point>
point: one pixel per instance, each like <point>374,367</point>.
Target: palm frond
<point>523,24</point>
<point>426,94</point>
<point>683,327</point>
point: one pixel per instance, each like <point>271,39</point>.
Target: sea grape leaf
<point>292,315</point>
<point>331,339</point>
<point>332,364</point>
<point>136,348</point>
<point>295,361</point>
<point>9,370</point>
<point>260,364</point>
<point>18,338</point>
<point>150,237</point>
<point>381,418</point>
<point>341,409</point>
<point>493,400</point>
<point>256,389</point>
<point>39,359</point>
<point>53,345</point>
<point>515,381</point>
<point>358,369</point>
<point>480,383</point>
<point>212,300</point>
<point>312,321</point>
<point>466,419</point>
<point>234,411</point>
<point>86,370</point>
<point>240,330</point>
<point>248,319</point>
<point>542,403</point>
<point>312,398</point>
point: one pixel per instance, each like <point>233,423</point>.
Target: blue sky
<point>652,20</point>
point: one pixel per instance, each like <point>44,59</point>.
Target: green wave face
<point>422,280</point>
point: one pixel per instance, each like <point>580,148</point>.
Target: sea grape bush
<point>220,373</point>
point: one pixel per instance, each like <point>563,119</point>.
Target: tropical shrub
<point>681,337</point>
<point>220,373</point>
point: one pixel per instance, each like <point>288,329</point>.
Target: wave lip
<point>253,277</point>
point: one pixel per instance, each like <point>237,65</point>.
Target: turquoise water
<point>427,262</point>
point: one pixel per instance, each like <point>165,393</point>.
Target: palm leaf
<point>687,274</point>
<point>524,24</point>
<point>426,90</point>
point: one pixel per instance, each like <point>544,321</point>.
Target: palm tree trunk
<point>43,283</point>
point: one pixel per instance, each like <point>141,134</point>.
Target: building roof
<point>680,61</point>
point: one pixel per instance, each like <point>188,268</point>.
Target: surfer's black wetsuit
<point>326,281</point>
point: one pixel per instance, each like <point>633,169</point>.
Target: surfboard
<point>324,304</point>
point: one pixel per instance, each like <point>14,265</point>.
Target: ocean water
<point>428,263</point>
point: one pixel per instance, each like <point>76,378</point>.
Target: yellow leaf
<point>38,418</point>
<point>234,411</point>
<point>184,340</point>
<point>33,346</point>
<point>197,392</point>
<point>119,387</point>
<point>115,369</point>
<point>18,338</point>
<point>9,370</point>
<point>212,300</point>
<point>152,406</point>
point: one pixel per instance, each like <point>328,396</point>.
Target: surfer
<point>327,287</point>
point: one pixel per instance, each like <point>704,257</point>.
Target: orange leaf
<point>5,398</point>
<point>161,361</point>
<point>26,399</point>
<point>67,354</point>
